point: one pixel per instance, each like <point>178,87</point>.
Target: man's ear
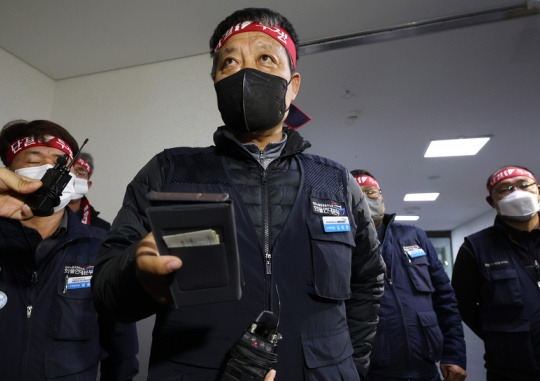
<point>295,84</point>
<point>89,183</point>
<point>490,201</point>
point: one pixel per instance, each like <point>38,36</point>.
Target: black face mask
<point>251,100</point>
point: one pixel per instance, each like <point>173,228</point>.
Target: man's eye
<point>227,62</point>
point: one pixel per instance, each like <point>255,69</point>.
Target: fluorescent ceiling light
<point>455,147</point>
<point>421,196</point>
<point>406,218</point>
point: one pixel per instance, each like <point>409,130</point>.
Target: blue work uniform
<point>49,328</point>
<point>419,322</point>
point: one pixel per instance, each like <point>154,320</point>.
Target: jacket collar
<point>388,219</point>
<point>225,146</point>
<point>502,226</point>
<point>76,229</point>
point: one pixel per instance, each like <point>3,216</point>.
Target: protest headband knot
<point>364,180</point>
<point>277,33</point>
<point>30,141</point>
<point>86,165</point>
<point>508,173</point>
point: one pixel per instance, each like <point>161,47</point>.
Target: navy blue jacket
<point>48,326</point>
<point>94,219</point>
<point>497,283</point>
<point>315,273</point>
<point>419,322</point>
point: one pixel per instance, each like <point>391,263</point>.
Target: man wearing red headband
<point>83,169</point>
<point>48,324</point>
<point>419,322</point>
<point>497,278</point>
<point>308,249</point>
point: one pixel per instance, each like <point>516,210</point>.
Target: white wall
<point>25,93</point>
<point>459,234</point>
<point>131,114</point>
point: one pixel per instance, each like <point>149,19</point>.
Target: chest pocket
<point>331,255</point>
<point>418,269</point>
<point>505,289</point>
<point>74,317</point>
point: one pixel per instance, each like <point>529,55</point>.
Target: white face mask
<point>38,172</point>
<point>80,188</point>
<point>519,205</point>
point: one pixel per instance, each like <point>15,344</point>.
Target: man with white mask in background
<point>497,278</point>
<point>49,328</point>
<point>83,169</point>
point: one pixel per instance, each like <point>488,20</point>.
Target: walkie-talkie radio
<point>254,354</point>
<point>43,201</point>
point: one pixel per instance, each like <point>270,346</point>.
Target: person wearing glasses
<point>497,278</point>
<point>419,322</point>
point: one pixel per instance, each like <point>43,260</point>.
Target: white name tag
<point>77,282</point>
<point>414,251</point>
<point>333,224</point>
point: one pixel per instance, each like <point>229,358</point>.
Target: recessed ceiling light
<point>455,147</point>
<point>421,196</point>
<point>406,218</point>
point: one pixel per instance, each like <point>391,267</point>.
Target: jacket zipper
<point>266,227</point>
<point>388,276</point>
<point>537,268</point>
<point>29,308</point>
<point>266,231</point>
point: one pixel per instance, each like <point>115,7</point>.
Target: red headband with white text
<point>30,141</point>
<point>508,173</point>
<point>365,180</point>
<point>86,165</point>
<point>277,33</point>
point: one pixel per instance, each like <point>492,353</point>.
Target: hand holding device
<point>42,201</point>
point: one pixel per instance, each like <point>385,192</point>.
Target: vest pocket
<point>506,290</point>
<point>326,348</point>
<point>433,338</point>
<point>331,261</point>
<point>73,359</point>
<point>418,270</point>
<point>74,317</point>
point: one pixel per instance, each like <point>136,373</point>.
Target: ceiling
<point>376,99</point>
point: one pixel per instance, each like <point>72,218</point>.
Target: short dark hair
<point>506,166</point>
<point>87,157</point>
<point>262,15</point>
<point>17,129</point>
<point>360,172</point>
